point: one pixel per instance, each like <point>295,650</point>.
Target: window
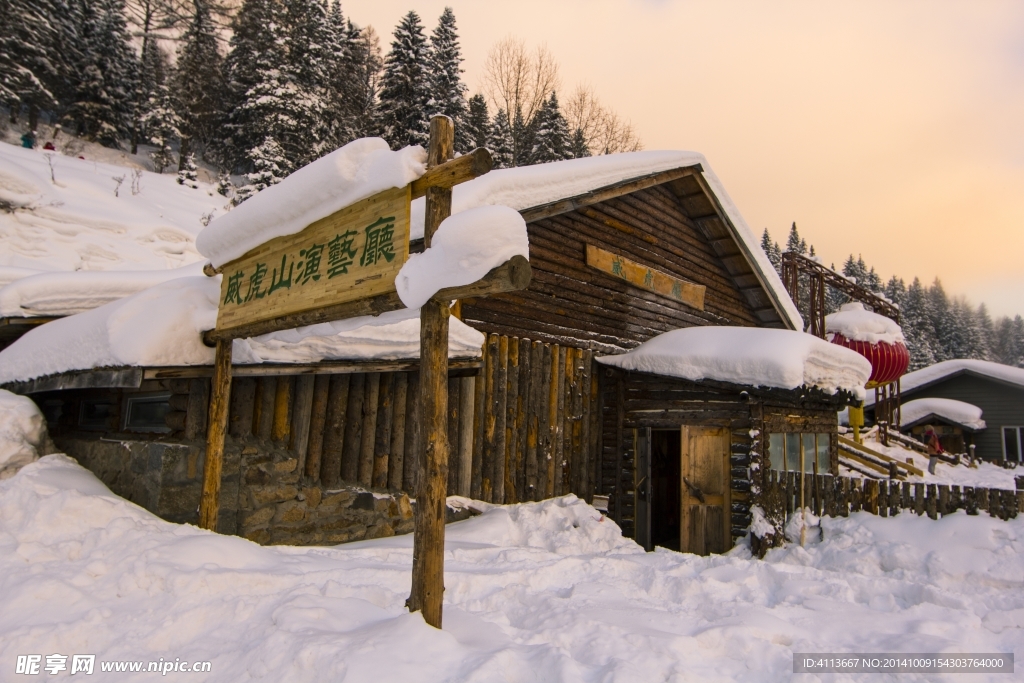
<point>1012,443</point>
<point>96,413</point>
<point>146,413</point>
<point>785,451</point>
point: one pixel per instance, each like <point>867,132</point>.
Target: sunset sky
<point>890,129</point>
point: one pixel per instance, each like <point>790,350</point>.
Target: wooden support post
<point>428,541</point>
<point>220,399</point>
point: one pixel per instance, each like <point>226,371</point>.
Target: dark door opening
<point>665,483</point>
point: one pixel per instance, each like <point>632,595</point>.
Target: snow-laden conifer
<point>446,89</point>
<point>405,87</point>
<point>499,141</point>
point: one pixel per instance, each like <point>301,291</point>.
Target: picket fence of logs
<point>833,496</point>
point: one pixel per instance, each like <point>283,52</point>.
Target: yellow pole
<point>856,420</point>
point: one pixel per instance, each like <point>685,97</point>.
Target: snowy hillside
<point>88,215</point>
<point>535,592</point>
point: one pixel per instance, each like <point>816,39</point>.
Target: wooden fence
<point>839,496</point>
<point>520,430</point>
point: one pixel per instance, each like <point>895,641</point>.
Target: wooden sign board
<point>646,278</point>
<point>352,254</point>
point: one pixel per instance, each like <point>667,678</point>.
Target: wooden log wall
<point>523,429</point>
<point>570,303</point>
<point>836,496</point>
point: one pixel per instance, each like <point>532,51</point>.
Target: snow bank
<point>67,293</point>
<point>358,170</point>
<point>75,222</point>
<point>529,186</point>
<point>760,357</point>
<point>163,325</point>
<point>465,247</point>
<point>390,336</point>
<point>956,411</point>
<point>535,592</point>
<point>22,433</point>
<point>856,323</point>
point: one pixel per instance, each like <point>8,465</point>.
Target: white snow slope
<point>75,222</point>
<point>534,592</point>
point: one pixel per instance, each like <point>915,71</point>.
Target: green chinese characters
<point>243,287</point>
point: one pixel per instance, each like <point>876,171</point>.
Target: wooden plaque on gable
<point>352,254</point>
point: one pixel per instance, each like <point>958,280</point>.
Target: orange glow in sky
<point>889,129</point>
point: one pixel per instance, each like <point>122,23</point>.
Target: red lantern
<point>888,361</point>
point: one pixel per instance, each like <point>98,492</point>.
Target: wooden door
<point>642,487</point>
<point>704,491</point>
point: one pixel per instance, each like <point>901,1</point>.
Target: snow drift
<point>23,436</point>
<point>856,323</point>
<point>759,357</point>
<point>465,247</point>
<point>535,592</point>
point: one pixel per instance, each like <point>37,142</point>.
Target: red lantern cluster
<point>888,361</point>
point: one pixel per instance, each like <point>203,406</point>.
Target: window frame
<point>1019,456</point>
<point>782,458</point>
<point>131,400</point>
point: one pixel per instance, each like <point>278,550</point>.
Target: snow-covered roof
<point>163,325</point>
<point>964,414</point>
<point>919,379</point>
<point>349,174</point>
<point>856,323</point>
<point>67,293</point>
<point>751,356</point>
<point>74,221</point>
<point>367,166</point>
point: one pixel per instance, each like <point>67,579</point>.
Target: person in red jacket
<point>931,440</point>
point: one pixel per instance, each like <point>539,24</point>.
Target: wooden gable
<point>668,221</point>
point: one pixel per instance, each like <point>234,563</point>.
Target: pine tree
<point>162,127</point>
<point>104,97</point>
<point>198,83</point>
<point>152,91</point>
<point>578,147</point>
<point>308,71</point>
<point>522,138</point>
<point>446,89</point>
<point>405,86</point>
<point>270,167</point>
<point>500,141</point>
<point>895,290</point>
<point>365,64</point>
<point>551,136</point>
<point>187,172</point>
<point>771,249</point>
<point>27,71</point>
<point>478,122</point>
<point>794,243</point>
<point>917,327</point>
<point>941,321</point>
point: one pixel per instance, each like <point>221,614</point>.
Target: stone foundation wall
<point>263,497</point>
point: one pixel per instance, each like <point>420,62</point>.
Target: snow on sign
<point>352,254</point>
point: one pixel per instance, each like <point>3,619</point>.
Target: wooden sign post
<point>344,266</point>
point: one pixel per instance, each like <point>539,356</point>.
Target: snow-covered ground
<point>74,221</point>
<point>536,592</point>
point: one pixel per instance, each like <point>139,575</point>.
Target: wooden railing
<point>839,496</point>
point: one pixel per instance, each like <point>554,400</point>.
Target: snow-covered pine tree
<point>499,141</point>
<point>771,249</point>
<point>162,128</point>
<point>896,290</point>
<point>578,147</point>
<point>308,67</point>
<point>151,91</point>
<point>917,327</point>
<point>551,134</point>
<point>27,72</point>
<point>478,122</point>
<point>522,138</point>
<point>941,322</point>
<point>188,173</point>
<point>983,333</point>
<point>225,187</point>
<point>365,63</point>
<point>405,87</point>
<point>198,84</point>
<point>794,242</point>
<point>104,98</point>
<point>270,166</point>
<point>444,71</point>
<point>256,56</point>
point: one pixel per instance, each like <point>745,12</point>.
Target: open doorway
<point>665,488</point>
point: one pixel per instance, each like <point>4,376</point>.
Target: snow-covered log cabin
<point>552,389</point>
